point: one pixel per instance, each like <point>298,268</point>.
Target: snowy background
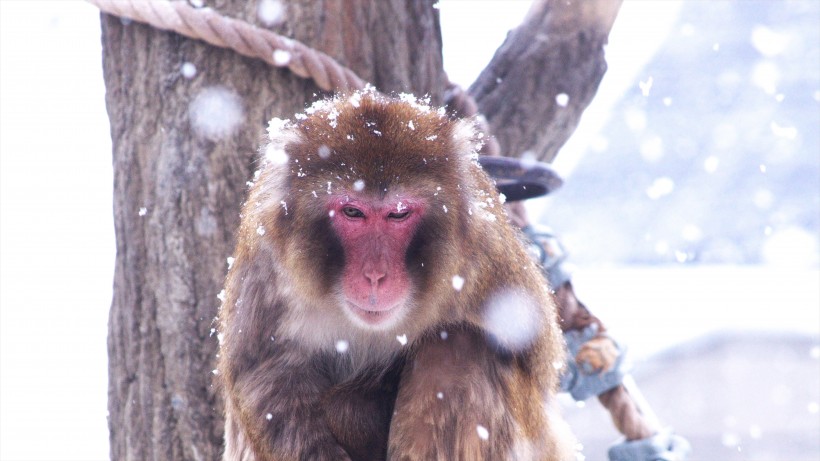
<point>690,208</point>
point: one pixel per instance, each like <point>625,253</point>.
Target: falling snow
<point>651,149</point>
<point>216,112</point>
<point>458,282</point>
<point>483,433</point>
<point>787,132</point>
<point>766,75</point>
<point>562,99</point>
<point>528,160</point>
<point>260,230</point>
<point>270,12</point>
<point>773,76</point>
<point>143,211</point>
<point>768,42</point>
<point>402,339</point>
<point>660,187</point>
<point>711,164</point>
<point>645,86</point>
<point>342,346</point>
<point>324,151</point>
<point>281,57</point>
<point>188,70</point>
<point>514,318</point>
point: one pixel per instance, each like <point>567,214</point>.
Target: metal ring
<point>519,180</point>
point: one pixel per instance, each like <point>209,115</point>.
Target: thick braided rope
<point>246,39</point>
<point>625,414</point>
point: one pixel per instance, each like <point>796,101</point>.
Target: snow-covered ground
<point>57,257</point>
<point>654,308</point>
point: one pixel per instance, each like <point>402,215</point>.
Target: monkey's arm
<point>278,403</point>
<point>453,402</point>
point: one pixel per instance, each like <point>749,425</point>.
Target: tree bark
<point>178,190</point>
<point>545,74</point>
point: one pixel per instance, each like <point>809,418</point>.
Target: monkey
<point>379,304</point>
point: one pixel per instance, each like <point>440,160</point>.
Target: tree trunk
<point>545,74</point>
<point>184,145</point>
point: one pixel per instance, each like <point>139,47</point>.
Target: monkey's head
<point>365,201</point>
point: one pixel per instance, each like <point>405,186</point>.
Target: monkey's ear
<point>467,138</point>
<point>280,134</point>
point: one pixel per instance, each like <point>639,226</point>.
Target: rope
<point>625,414</point>
<point>246,39</point>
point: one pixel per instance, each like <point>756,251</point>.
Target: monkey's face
<point>375,234</point>
<point>366,198</point>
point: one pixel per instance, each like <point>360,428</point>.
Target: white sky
<point>56,227</point>
<point>471,36</point>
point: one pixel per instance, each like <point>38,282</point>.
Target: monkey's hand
<point>597,355</point>
<point>663,446</point>
<point>597,363</point>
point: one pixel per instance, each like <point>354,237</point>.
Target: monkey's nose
<point>374,276</point>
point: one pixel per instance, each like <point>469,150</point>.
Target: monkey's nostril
<point>374,276</point>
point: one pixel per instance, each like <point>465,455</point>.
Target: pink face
<point>375,235</point>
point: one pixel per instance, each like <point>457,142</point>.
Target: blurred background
<point>691,210</point>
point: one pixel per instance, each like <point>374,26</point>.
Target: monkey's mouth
<point>373,317</point>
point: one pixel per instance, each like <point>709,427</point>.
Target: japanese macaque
<point>379,305</point>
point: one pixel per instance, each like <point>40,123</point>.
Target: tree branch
<point>545,74</point>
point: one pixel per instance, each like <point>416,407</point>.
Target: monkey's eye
<point>352,212</point>
<point>398,216</point>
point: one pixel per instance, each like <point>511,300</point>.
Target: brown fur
<point>291,395</point>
